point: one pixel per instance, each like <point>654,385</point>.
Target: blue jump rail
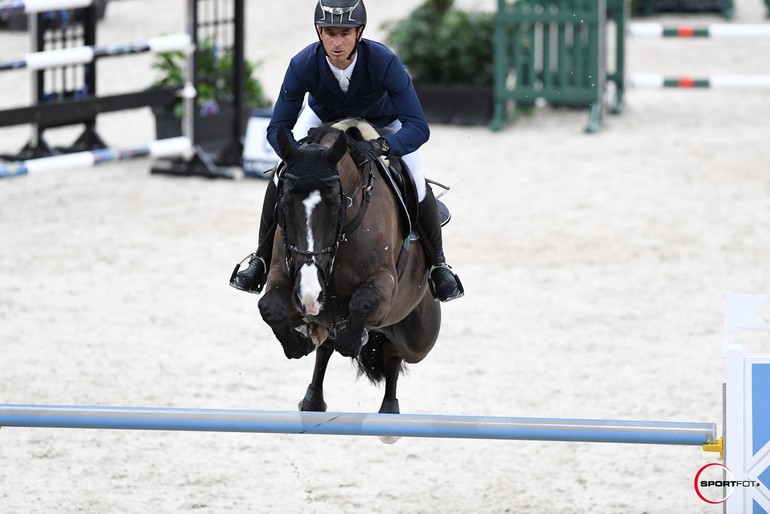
<point>346,423</point>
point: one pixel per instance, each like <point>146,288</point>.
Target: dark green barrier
<point>555,50</point>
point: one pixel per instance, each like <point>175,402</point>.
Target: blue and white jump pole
<point>170,147</point>
<point>34,6</point>
<point>347,423</point>
<point>86,54</point>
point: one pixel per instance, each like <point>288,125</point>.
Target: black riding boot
<point>253,278</point>
<point>444,284</point>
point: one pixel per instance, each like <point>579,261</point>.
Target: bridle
<point>343,229</point>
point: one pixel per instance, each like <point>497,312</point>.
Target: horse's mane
<point>317,134</point>
<point>355,129</point>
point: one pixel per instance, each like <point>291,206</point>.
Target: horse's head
<point>310,213</point>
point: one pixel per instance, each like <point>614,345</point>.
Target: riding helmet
<point>340,13</point>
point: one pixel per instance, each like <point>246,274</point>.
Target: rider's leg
<point>446,284</point>
<point>253,278</point>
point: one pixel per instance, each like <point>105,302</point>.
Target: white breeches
<point>308,119</point>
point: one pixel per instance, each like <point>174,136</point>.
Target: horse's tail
<point>371,360</point>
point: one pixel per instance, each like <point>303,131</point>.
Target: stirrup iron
<point>259,286</point>
<point>432,285</point>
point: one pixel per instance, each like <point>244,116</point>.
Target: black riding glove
<point>367,151</point>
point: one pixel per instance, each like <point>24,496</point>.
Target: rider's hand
<point>366,151</point>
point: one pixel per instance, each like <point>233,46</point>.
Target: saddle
<point>401,182</point>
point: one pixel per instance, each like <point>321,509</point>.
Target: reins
<point>366,195</point>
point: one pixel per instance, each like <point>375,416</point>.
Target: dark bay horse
<point>336,281</point>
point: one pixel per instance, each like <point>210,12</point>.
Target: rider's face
<point>338,43</point>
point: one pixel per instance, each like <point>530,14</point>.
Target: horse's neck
<point>350,176</point>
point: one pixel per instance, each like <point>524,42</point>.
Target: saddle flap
<point>400,181</point>
<point>443,212</point>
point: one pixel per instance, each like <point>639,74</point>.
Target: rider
<point>347,76</point>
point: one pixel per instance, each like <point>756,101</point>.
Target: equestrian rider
<point>345,76</point>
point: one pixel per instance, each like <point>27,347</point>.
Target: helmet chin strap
<point>355,46</point>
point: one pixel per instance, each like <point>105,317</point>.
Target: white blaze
<point>309,286</point>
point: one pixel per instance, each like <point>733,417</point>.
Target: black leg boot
<point>253,278</point>
<point>444,284</point>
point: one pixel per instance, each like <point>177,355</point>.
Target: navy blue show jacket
<point>380,91</point>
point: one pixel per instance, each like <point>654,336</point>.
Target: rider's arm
<point>287,106</point>
<point>414,130</point>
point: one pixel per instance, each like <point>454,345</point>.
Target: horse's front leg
<point>366,304</point>
<point>314,397</point>
<point>274,308</point>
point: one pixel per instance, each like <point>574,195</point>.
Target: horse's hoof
<point>313,400</point>
<point>305,406</point>
<point>296,351</point>
<point>297,345</point>
<point>272,309</point>
<point>349,343</point>
<point>390,407</point>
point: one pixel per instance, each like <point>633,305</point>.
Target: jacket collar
<point>330,81</point>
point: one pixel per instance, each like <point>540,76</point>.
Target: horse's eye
<point>332,198</point>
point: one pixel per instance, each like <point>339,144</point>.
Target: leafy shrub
<point>215,76</point>
<point>440,44</point>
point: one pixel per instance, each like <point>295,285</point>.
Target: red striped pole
<point>657,80</point>
<point>715,30</point>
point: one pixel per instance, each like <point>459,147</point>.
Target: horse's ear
<point>338,149</point>
<point>287,146</point>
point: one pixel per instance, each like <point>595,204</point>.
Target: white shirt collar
<point>347,72</point>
